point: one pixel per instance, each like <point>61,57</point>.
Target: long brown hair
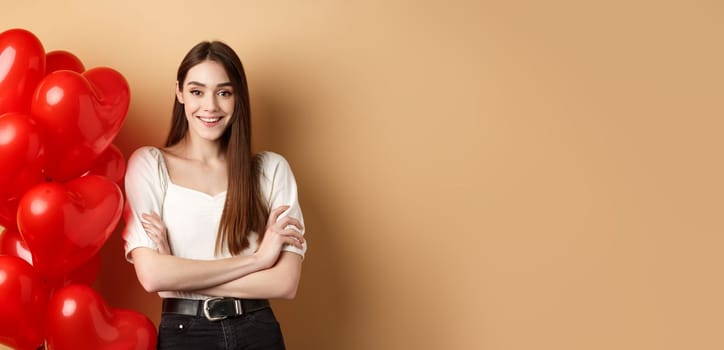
<point>244,211</point>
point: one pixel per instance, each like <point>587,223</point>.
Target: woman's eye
<point>225,93</point>
<point>195,92</point>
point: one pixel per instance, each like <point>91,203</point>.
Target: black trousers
<point>255,330</point>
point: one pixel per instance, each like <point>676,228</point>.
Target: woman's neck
<point>201,150</point>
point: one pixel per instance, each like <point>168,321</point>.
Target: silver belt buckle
<point>206,310</point>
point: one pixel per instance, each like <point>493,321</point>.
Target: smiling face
<point>208,99</point>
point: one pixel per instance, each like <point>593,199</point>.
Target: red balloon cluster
<point>60,199</point>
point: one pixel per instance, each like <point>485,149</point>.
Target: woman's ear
<point>179,95</point>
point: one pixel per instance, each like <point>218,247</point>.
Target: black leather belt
<point>213,309</point>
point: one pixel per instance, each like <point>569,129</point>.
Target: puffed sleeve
<point>144,194</point>
<point>280,188</point>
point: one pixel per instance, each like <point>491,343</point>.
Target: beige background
<point>474,174</point>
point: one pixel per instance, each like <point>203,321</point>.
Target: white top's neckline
<point>189,189</point>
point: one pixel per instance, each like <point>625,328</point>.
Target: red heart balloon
<point>22,66</point>
<point>79,318</point>
<point>66,224</point>
<point>110,164</point>
<point>23,303</point>
<point>9,213</point>
<point>22,154</point>
<point>86,273</point>
<point>80,114</point>
<point>11,243</point>
<point>62,60</point>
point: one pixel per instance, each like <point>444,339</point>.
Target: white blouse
<point>192,217</point>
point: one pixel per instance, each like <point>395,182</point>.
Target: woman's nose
<point>210,103</point>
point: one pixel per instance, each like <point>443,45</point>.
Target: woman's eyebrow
<point>228,83</point>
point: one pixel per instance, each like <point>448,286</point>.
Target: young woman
<point>211,227</point>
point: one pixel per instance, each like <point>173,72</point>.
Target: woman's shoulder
<point>145,156</point>
<point>270,157</point>
<point>145,152</point>
<point>272,163</point>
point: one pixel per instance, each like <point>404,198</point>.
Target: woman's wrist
<point>252,263</point>
<point>261,261</point>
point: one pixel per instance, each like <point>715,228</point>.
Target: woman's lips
<point>209,121</point>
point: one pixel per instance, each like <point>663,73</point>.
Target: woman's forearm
<point>160,272</point>
<point>278,282</point>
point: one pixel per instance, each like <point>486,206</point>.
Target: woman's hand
<point>278,233</point>
<point>156,230</point>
